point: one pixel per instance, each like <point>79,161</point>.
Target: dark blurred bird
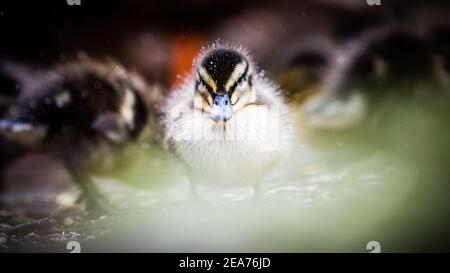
<point>82,113</point>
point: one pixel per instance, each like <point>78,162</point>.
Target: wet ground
<point>318,199</point>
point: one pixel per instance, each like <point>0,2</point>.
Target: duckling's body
<point>252,131</point>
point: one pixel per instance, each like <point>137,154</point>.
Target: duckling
<point>82,113</point>
<point>227,122</point>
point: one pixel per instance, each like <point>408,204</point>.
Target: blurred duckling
<point>228,122</point>
<point>82,113</point>
<point>367,77</point>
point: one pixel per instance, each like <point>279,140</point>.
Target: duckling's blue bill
<point>221,108</point>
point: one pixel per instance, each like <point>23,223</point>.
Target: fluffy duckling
<point>81,113</point>
<point>228,122</point>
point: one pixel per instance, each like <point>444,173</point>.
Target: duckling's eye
<point>241,79</point>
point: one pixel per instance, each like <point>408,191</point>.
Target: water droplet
<point>340,59</point>
<point>145,146</point>
<point>32,104</point>
<point>97,85</point>
<point>82,55</point>
<point>13,110</point>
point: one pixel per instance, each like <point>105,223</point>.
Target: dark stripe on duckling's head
<point>220,64</point>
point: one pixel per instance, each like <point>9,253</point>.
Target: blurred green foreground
<point>386,181</point>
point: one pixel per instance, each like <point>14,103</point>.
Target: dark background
<point>136,31</point>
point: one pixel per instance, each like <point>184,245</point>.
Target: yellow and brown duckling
<point>82,113</point>
<point>228,122</point>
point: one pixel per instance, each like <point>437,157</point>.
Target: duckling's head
<point>224,82</point>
